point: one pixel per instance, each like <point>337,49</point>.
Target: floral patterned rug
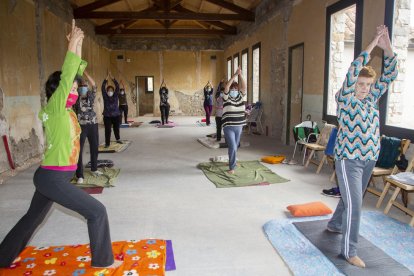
<point>140,258</point>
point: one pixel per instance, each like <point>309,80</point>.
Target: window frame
<point>146,85</point>
<point>246,51</point>
<point>389,130</point>
<point>227,67</point>
<point>258,45</point>
<point>330,10</point>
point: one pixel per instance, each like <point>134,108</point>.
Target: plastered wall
<point>184,72</point>
<point>294,22</point>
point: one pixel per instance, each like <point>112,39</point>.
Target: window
<point>149,85</point>
<point>244,65</point>
<point>343,44</point>
<point>256,72</point>
<point>235,63</point>
<point>397,107</point>
<point>229,69</point>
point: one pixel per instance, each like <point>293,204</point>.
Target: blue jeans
<point>232,135</point>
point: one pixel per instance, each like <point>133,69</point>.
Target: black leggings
<point>165,110</point>
<point>218,128</point>
<point>109,122</point>
<point>54,186</point>
<point>123,109</point>
<point>91,132</point>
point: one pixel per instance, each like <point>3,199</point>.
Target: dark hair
<point>234,85</point>
<point>52,83</point>
<point>110,87</point>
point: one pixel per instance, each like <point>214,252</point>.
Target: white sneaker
<point>97,173</point>
<point>80,180</point>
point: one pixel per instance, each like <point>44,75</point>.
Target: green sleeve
<point>71,66</point>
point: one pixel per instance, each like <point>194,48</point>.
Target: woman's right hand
<point>75,38</point>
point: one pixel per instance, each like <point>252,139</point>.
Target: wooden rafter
<point>162,16</point>
<point>164,32</point>
<point>232,7</point>
<point>94,6</point>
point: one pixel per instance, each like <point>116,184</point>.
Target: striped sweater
<point>358,120</point>
<point>233,111</point>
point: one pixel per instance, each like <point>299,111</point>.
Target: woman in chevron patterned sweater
<point>357,144</point>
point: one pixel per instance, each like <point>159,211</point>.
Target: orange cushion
<point>309,209</point>
<point>273,159</point>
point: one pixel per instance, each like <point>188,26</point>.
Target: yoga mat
<point>393,237</point>
<point>247,173</point>
<point>168,125</point>
<point>114,147</point>
<point>93,190</point>
<point>102,164</point>
<point>377,262</point>
<point>209,142</point>
<point>105,180</point>
<point>144,257</point>
<point>170,263</point>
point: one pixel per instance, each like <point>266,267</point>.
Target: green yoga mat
<point>114,147</point>
<point>105,180</point>
<point>247,173</point>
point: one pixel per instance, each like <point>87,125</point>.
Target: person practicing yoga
<point>358,141</point>
<point>164,104</point>
<point>234,116</point>
<point>123,104</point>
<point>219,110</point>
<point>89,125</point>
<point>111,110</point>
<point>208,101</point>
<point>52,178</point>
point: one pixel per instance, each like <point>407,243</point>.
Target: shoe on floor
<point>80,180</point>
<point>119,142</point>
<point>329,229</point>
<point>106,146</point>
<point>356,261</point>
<point>97,173</point>
<point>334,192</point>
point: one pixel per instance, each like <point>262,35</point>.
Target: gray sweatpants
<point>353,178</point>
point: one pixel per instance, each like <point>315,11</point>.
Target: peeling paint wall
<point>33,47</point>
<point>184,72</point>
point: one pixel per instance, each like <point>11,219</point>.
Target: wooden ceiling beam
<point>94,6</point>
<point>232,7</point>
<point>163,32</point>
<point>162,16</point>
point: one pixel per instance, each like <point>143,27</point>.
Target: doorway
<point>145,95</point>
<point>295,90</point>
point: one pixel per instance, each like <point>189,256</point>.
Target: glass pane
<point>400,109</point>
<point>235,64</point>
<point>341,52</point>
<point>256,74</point>
<point>228,69</point>
<point>244,67</point>
<point>150,84</point>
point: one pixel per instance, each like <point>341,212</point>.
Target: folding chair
<point>320,144</point>
<point>383,172</point>
<point>304,133</point>
<point>255,117</point>
<point>400,186</point>
<point>329,150</point>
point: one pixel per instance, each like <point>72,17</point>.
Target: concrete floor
<point>161,194</point>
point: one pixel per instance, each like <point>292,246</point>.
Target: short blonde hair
<point>367,72</point>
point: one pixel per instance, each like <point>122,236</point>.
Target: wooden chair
<point>399,187</point>
<point>328,156</point>
<point>320,144</point>
<point>383,172</point>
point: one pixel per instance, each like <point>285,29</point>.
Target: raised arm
<point>72,66</point>
<point>228,84</point>
<point>116,92</point>
<point>390,71</point>
<point>243,87</point>
<point>90,79</point>
<point>348,86</point>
